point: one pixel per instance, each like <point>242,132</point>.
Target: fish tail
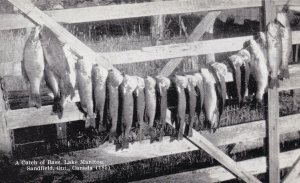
<point>284,74</point>
<point>274,82</point>
<point>35,100</point>
<point>57,107</point>
<point>90,122</point>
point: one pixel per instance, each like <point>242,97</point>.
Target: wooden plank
<point>157,28</point>
<point>200,141</point>
<point>219,174</point>
<point>196,35</point>
<point>5,139</point>
<point>294,173</point>
<point>113,12</point>
<point>162,52</point>
<point>243,132</point>
<point>63,35</point>
<point>273,112</point>
<point>36,117</point>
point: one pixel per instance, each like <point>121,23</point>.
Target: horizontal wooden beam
<point>218,173</point>
<point>160,52</point>
<point>113,12</point>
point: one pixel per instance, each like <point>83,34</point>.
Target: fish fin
<point>24,74</point>
<point>284,74</point>
<point>112,137</point>
<point>237,77</point>
<point>90,121</point>
<point>35,100</point>
<point>274,82</point>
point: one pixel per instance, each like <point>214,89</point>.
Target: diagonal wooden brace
<point>39,17</point>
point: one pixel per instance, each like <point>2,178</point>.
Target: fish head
<point>245,55</point>
<point>163,83</point>
<point>115,78</point>
<point>100,73</point>
<point>129,83</point>
<point>199,78</point>
<point>282,19</point>
<point>181,82</point>
<point>150,83</point>
<point>221,68</point>
<point>140,82</point>
<point>192,80</point>
<point>273,29</point>
<point>236,60</point>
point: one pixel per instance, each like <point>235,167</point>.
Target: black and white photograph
<point>150,91</point>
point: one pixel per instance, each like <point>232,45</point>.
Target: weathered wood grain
<point>294,173</point>
<point>62,34</point>
<point>112,12</point>
<point>218,173</point>
<point>196,35</point>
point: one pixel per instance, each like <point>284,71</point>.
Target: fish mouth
<point>279,23</point>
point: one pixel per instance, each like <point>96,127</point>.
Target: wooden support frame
<point>219,174</point>
<point>196,35</point>
<point>63,35</point>
<point>273,112</point>
<point>294,173</point>
<point>5,134</point>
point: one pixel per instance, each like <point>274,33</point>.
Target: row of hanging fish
<point>265,58</point>
<point>128,96</point>
<point>45,57</point>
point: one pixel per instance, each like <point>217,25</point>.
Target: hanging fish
<point>236,62</point>
<point>163,84</point>
<point>246,57</point>
<point>128,86</point>
<point>85,89</point>
<point>191,87</point>
<point>99,76</point>
<point>140,103</point>
<point>219,71</point>
<point>286,41</point>
<point>33,66</point>
<point>150,95</point>
<point>274,52</point>
<point>72,60</point>
<point>211,100</point>
<point>200,99</point>
<point>57,61</point>
<point>181,83</point>
<point>258,67</point>
<point>114,80</point>
<point>52,83</point>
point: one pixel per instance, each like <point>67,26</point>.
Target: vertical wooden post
<point>210,35</point>
<point>61,133</point>
<point>273,113</point>
<point>5,134</point>
<point>157,28</point>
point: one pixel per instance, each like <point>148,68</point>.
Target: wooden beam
<point>5,138</point>
<point>113,12</point>
<point>36,117</point>
<point>294,173</point>
<point>196,35</point>
<point>219,174</point>
<point>63,35</point>
<point>202,142</point>
<point>161,52</point>
<point>273,112</point>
